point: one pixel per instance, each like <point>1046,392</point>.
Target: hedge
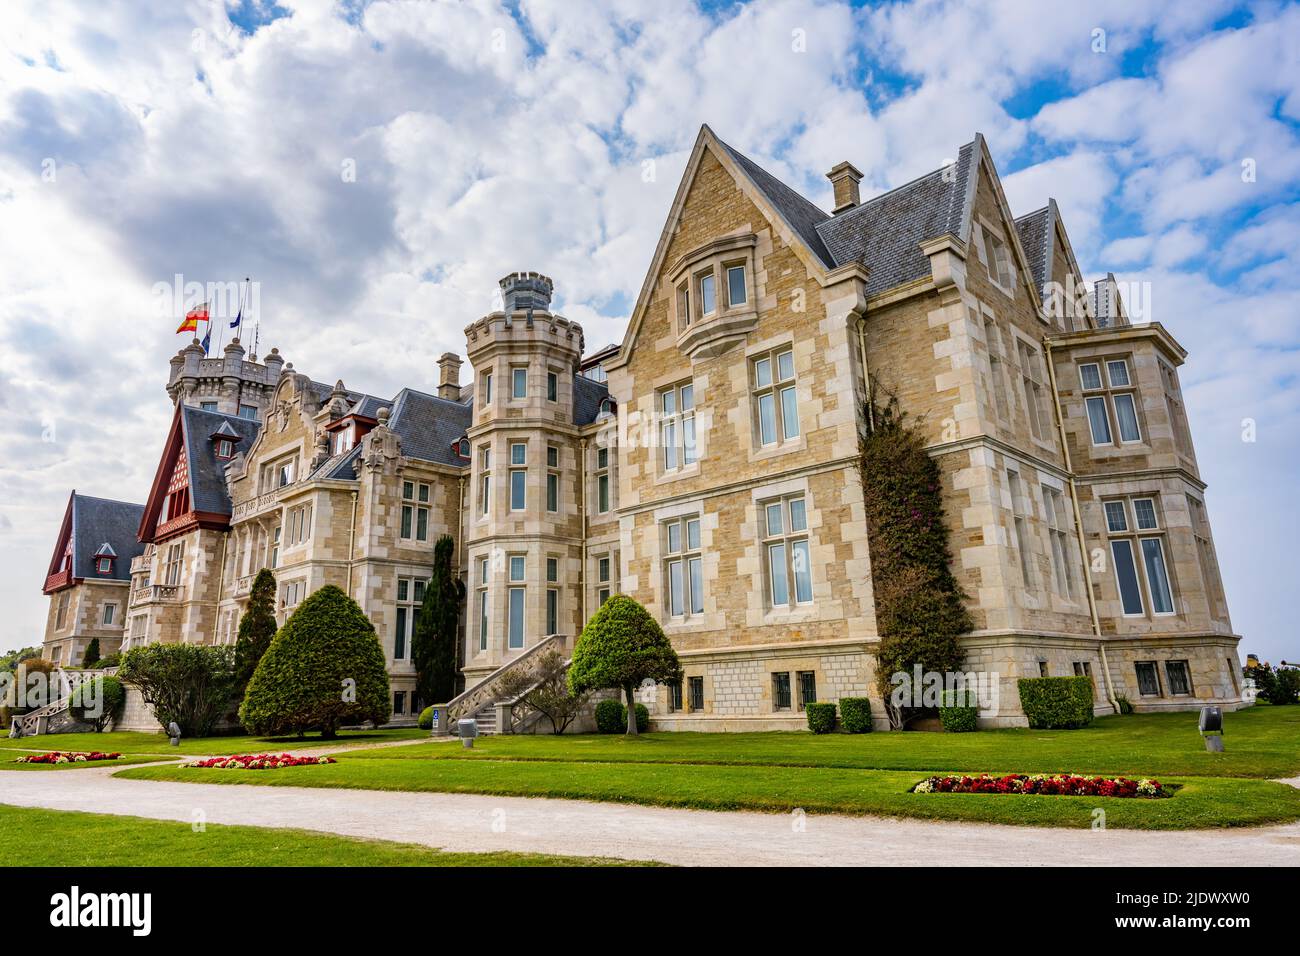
<point>821,718</point>
<point>855,714</point>
<point>426,719</point>
<point>611,717</point>
<point>955,719</point>
<point>1056,703</point>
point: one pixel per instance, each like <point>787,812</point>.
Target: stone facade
<point>708,466</point>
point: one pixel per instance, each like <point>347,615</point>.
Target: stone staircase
<point>485,705</point>
<point>55,717</point>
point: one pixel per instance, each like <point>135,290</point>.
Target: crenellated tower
<point>229,384</point>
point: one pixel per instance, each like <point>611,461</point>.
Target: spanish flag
<point>192,319</point>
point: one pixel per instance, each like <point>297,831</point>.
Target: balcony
<point>58,580</point>
<point>259,505</point>
<point>156,594</point>
<point>244,584</point>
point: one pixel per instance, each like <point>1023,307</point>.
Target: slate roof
<point>1035,239</point>
<point>885,232</point>
<point>101,521</point>
<point>207,474</point>
<point>428,425</point>
<point>587,396</point>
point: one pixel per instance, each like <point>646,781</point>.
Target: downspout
<point>866,372</point>
<point>461,650</point>
<point>582,508</point>
<point>352,541</point>
<point>221,578</point>
<point>1078,528</point>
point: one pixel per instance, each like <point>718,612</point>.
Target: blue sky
<point>210,139</point>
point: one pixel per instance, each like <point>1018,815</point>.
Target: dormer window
<point>461,447</point>
<point>225,450</point>
<point>103,565</point>
<point>224,440</point>
<point>606,407</point>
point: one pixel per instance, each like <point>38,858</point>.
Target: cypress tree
<point>256,628</point>
<point>433,644</point>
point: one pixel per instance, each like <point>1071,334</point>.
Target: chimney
<point>845,178</point>
<point>449,376</point>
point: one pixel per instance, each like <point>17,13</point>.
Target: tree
<point>622,646</point>
<point>92,653</point>
<point>188,684</point>
<point>256,628</point>
<point>920,608</point>
<point>325,668</point>
<point>433,644</point>
<point>96,701</point>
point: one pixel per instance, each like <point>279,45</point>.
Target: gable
<point>988,207</point>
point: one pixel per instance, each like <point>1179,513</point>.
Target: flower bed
<point>1060,784</point>
<point>67,756</point>
<point>260,762</point>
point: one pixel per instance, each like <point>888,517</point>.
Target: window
<point>1148,678</point>
<point>807,688</point>
<point>274,558</point>
<point>1174,405</point>
<point>696,685</point>
<point>61,611</point>
<point>176,560</point>
<point>399,702</point>
<point>516,567</point>
<point>684,315</point>
<point>677,425</point>
<point>781,691</point>
<point>1141,572</point>
<point>103,565</point>
<point>552,611</point>
<point>998,259</point>
<point>1057,525</point>
<point>602,480</point>
<point>415,511</point>
<point>282,473</point>
<point>483,604</point>
<point>786,549</point>
<point>484,478</point>
<point>208,406</point>
<point>674,696</point>
<point>487,388</point>
<point>518,476</point>
<point>552,387</point>
<point>683,567</point>
<point>708,294</point>
<point>410,595</point>
<point>1082,669</point>
<point>1031,378</point>
<point>1180,678</point>
<point>225,449</point>
<point>1019,525</point>
<point>736,293</point>
<point>552,478</point>
<point>292,594</point>
<point>775,401</point>
<point>1110,412</point>
<point>516,618</point>
<point>603,571</point>
<point>552,570</point>
<point>1043,670</point>
<point>110,613</point>
<point>248,412</point>
<point>519,382</point>
<point>299,524</point>
<point>997,385</point>
<point>1206,559</point>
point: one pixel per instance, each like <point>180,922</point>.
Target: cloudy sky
<point>377,166</point>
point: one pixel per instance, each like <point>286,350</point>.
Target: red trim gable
<point>172,467</point>
<point>59,574</point>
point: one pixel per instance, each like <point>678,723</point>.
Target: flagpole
<point>257,332</point>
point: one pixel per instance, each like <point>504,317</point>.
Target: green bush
<point>426,719</point>
<point>256,627</point>
<point>1125,705</point>
<point>642,717</point>
<point>109,660</point>
<point>91,658</point>
<point>611,717</point>
<point>958,719</point>
<point>96,701</point>
<point>325,668</point>
<point>1056,703</point>
<point>821,718</point>
<point>621,647</point>
<point>189,684</point>
<point>1280,686</point>
<point>855,714</point>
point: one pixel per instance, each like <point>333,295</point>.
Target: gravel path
<point>479,823</point>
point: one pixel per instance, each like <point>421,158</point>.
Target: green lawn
<point>1261,742</point>
<point>60,838</point>
<point>1201,801</point>
<point>132,742</point>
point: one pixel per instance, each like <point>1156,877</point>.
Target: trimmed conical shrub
<point>325,668</point>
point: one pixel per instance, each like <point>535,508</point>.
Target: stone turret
<point>229,384</point>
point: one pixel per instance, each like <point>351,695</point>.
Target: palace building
<point>708,467</point>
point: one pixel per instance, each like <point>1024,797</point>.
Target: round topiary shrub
<point>426,719</point>
<point>821,718</point>
<point>958,718</point>
<point>855,715</point>
<point>611,717</point>
<point>642,717</point>
<point>96,701</point>
<point>621,648</point>
<point>325,668</point>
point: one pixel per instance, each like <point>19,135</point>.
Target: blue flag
<point>239,317</point>
<point>207,338</point>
